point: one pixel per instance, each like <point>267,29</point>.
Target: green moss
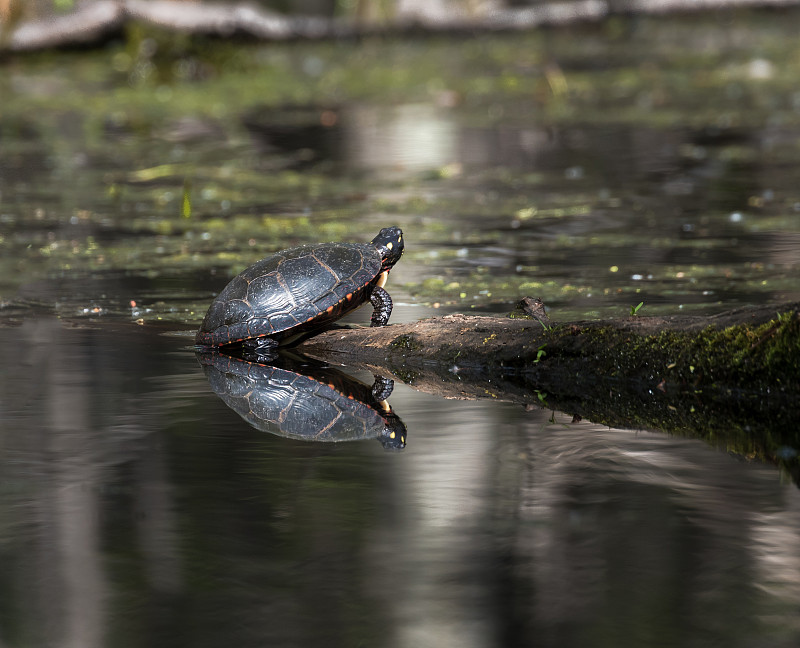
<point>736,354</point>
<point>405,374</point>
<point>518,313</point>
<point>709,383</point>
<point>405,342</point>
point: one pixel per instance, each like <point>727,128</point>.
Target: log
<point>732,378</point>
<point>100,19</point>
<point>753,348</point>
<point>97,21</point>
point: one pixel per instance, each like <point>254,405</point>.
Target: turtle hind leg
<point>382,303</point>
<point>262,349</point>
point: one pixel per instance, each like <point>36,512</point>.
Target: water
<point>137,509</point>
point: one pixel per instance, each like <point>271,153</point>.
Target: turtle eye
<point>390,245</point>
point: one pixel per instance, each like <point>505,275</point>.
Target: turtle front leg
<point>382,388</point>
<point>382,304</point>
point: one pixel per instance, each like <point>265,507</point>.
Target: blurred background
<point>631,152</point>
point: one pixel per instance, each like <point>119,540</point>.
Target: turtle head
<point>389,243</point>
<point>394,433</point>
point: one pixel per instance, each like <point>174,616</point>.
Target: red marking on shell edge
<point>242,339</point>
<point>349,296</point>
<point>329,309</point>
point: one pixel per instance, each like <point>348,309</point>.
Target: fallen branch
<point>99,20</point>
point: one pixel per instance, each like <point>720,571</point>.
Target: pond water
<point>138,509</point>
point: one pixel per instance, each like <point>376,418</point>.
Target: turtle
<point>302,290</point>
<point>304,400</point>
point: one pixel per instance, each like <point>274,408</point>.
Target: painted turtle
<point>307,401</point>
<point>302,289</point>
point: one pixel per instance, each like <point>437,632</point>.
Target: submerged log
<point>733,378</point>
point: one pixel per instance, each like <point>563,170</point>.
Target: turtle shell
<point>323,405</point>
<point>297,290</point>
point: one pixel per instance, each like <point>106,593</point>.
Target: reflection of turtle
<point>305,402</point>
<point>302,289</point>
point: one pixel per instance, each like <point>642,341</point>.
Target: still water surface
<point>138,510</point>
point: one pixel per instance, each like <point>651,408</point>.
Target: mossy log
<point>751,349</point>
<point>95,21</point>
<point>733,378</point>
